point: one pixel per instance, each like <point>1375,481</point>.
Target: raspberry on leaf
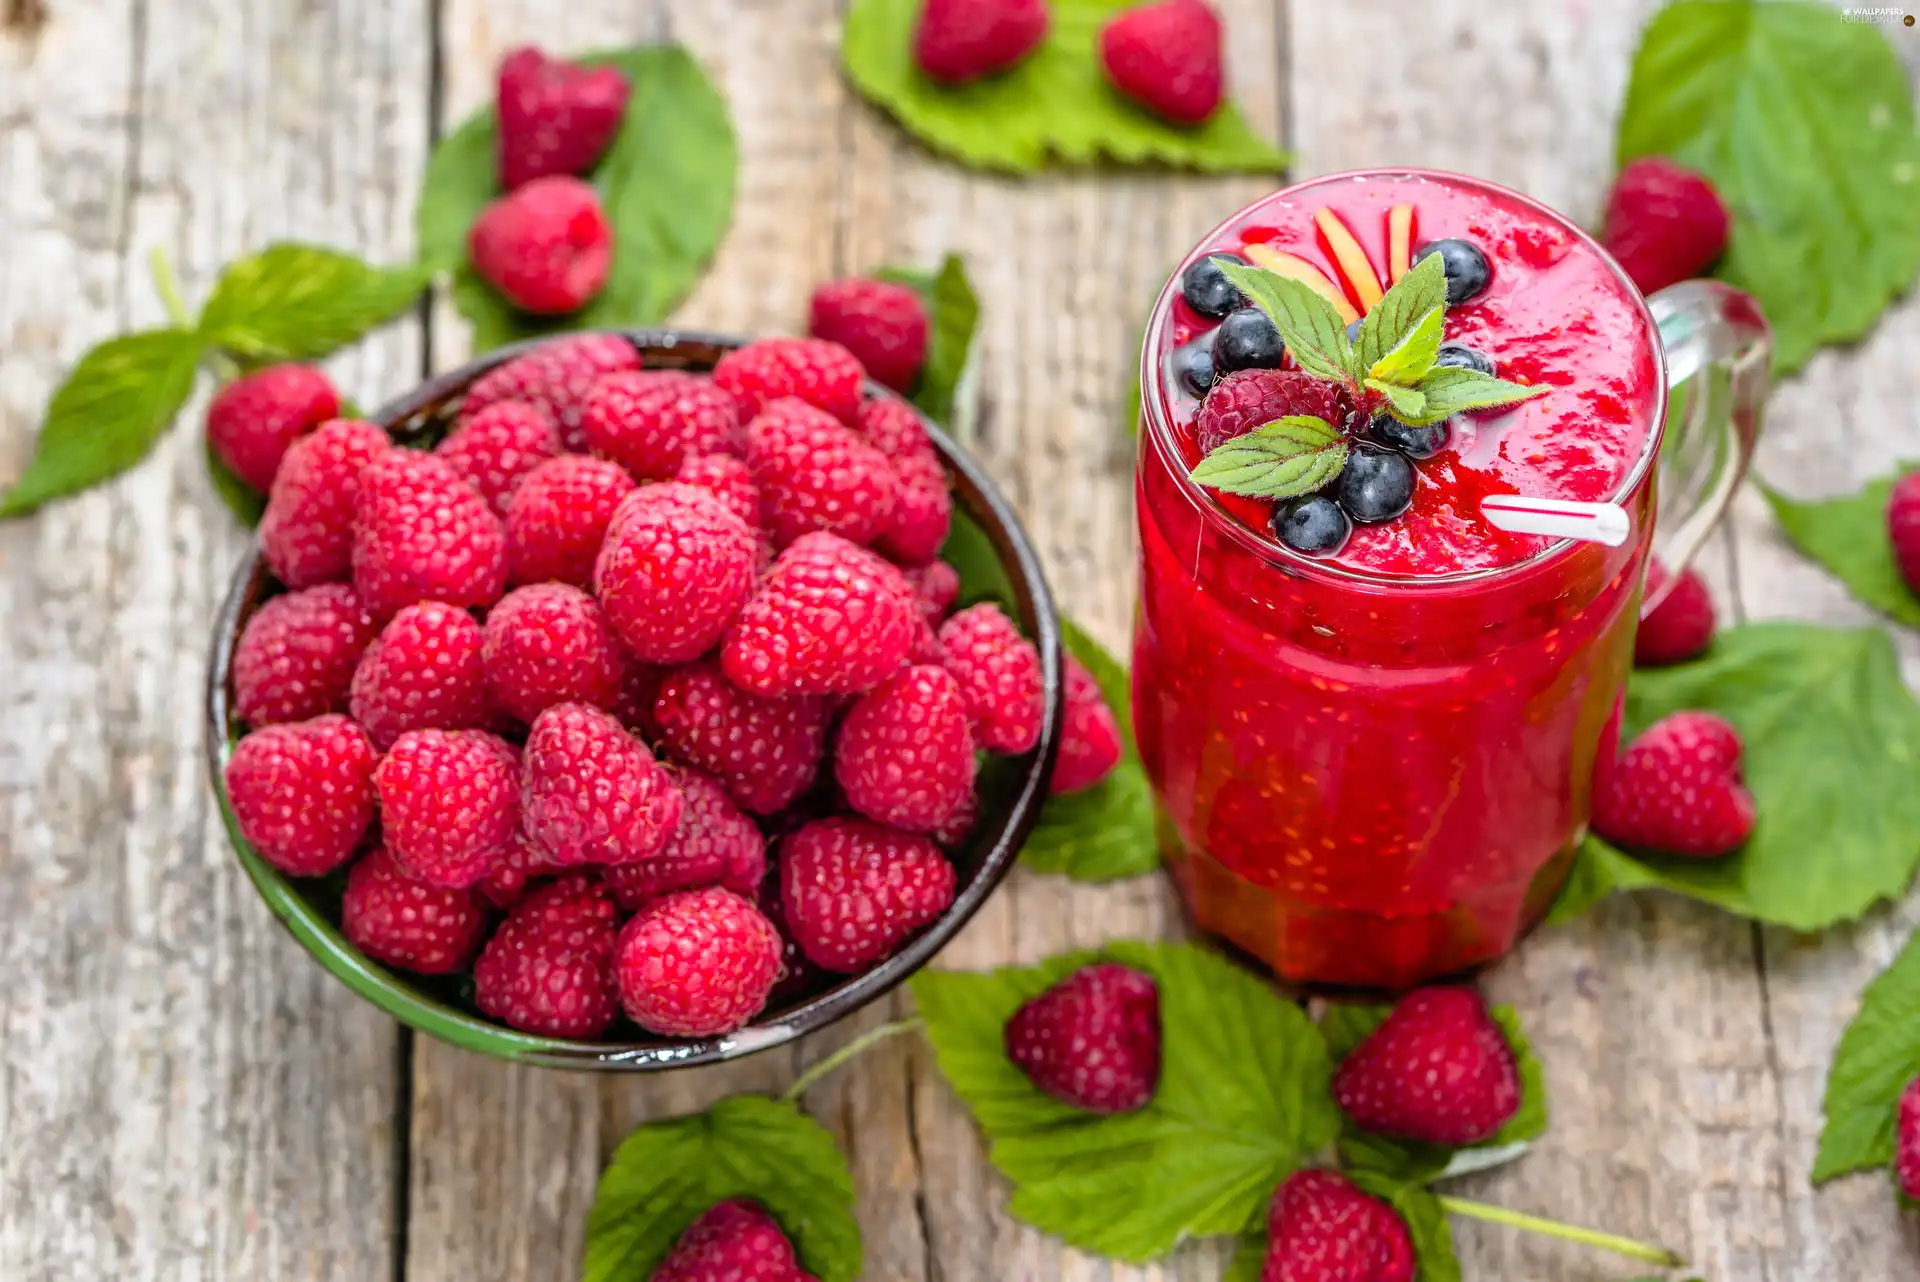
<point>1438,1070</point>
<point>1093,1039</point>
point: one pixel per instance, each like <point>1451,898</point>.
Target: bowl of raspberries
<point>606,703</point>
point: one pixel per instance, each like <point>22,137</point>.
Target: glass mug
<point>1369,778</point>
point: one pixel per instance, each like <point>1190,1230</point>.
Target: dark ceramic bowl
<point>1012,789</point>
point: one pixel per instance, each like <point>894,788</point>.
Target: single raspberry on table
<point>296,656</point>
<point>1167,58</point>
<point>306,533</point>
<point>824,375</point>
<point>514,876</point>
<point>420,533</point>
<point>593,793</point>
<point>882,323</point>
<point>960,40</point>
<point>1676,790</point>
<point>549,643</point>
<point>495,449</point>
<point>764,751</point>
<point>1681,626</point>
<point>905,752</point>
<point>549,968</point>
<point>554,116</point>
<point>402,921</point>
<point>715,844</point>
<point>999,675</point>
<point>937,586</point>
<point>816,473</point>
<point>302,792</point>
<point>651,421</point>
<point>1438,1070</point>
<point>558,518</point>
<point>1903,527</point>
<point>696,963</point>
<point>546,246</point>
<point>1250,398</point>
<point>556,377</point>
<point>449,804</point>
<point>253,420</point>
<point>1322,1228</point>
<point>1092,1040</point>
<point>854,891</point>
<point>1906,1141</point>
<point>1664,224</point>
<point>830,617</point>
<point>425,671</point>
<point>728,479</point>
<point>1090,743</point>
<point>674,571</point>
<point>733,1241</point>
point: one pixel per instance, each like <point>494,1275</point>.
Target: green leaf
<point>1805,124</point>
<point>1249,1259</point>
<point>667,185</point>
<point>971,553</point>
<point>1308,325</point>
<point>1055,106</point>
<point>1289,456</point>
<point>1416,304</point>
<point>1242,1102</point>
<point>108,414</point>
<point>1104,832</point>
<point>1598,871</point>
<point>245,502</point>
<point>1449,389</point>
<point>1849,536</point>
<point>1409,362</point>
<point>1404,403</point>
<point>1877,1056</point>
<point>300,302</point>
<point>666,1174</point>
<point>952,313</point>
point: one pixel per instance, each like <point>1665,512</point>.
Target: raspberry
<point>1906,1153</point>
<point>960,40</point>
<point>449,803</point>
<point>425,671</point>
<point>1090,744</point>
<point>798,975</point>
<point>936,585</point>
<point>1322,1228</point>
<point>555,117</point>
<point>395,919</point>
<point>302,793</point>
<point>1664,223</point>
<point>883,324</point>
<point>828,618</point>
<point>727,479</point>
<point>715,845</point>
<point>558,518</point>
<point>674,571</point>
<point>516,871</point>
<point>1903,527</point>
<point>546,247</point>
<point>923,513</point>
<point>1680,627</point>
<point>854,891</point>
<point>1250,398</point>
<point>1439,1070</point>
<point>999,675</point>
<point>905,754</point>
<point>815,473</point>
<point>824,375</point>
<point>732,1242</point>
<point>297,653</point>
<point>953,833</point>
<point>766,752</point>
<point>1167,58</point>
<point>593,793</point>
<point>495,449</point>
<point>894,428</point>
<point>1092,1040</point>
<point>549,968</point>
<point>254,419</point>
<point>696,963</point>
<point>650,421</point>
<point>547,644</point>
<point>306,534</point>
<point>1676,790</point>
<point>633,706</point>
<point>420,533</point>
<point>556,377</point>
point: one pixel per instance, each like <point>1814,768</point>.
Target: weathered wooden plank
<point>187,1095</point>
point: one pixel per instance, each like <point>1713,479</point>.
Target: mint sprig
<point>1416,305</point>
<point>1308,325</point>
<point>1287,457</point>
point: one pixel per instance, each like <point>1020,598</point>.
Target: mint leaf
<point>1414,308</point>
<point>1055,106</point>
<point>1805,123</point>
<point>666,1174</point>
<point>1104,832</point>
<point>107,414</point>
<point>300,302</point>
<point>1449,389</point>
<point>1877,1056</point>
<point>1308,325</point>
<point>1242,1102</point>
<point>1404,403</point>
<point>245,502</point>
<point>1409,362</point>
<point>1849,536</point>
<point>1289,456</point>
<point>952,313</point>
<point>667,185</point>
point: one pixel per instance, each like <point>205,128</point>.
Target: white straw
<point>1606,523</point>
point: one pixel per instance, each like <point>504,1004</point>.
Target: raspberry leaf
<point>1293,455</point>
<point>666,1174</point>
<point>1446,390</point>
<point>1242,1103</point>
<point>1308,325</point>
<point>974,558</point>
<point>953,311</point>
<point>300,302</point>
<point>1400,336</point>
<point>1878,1055</point>
<point>1848,535</point>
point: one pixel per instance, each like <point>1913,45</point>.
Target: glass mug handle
<point>1719,366</point>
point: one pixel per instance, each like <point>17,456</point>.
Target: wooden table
<point>186,1096</point>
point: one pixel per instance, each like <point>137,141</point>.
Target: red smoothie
<point>1373,765</point>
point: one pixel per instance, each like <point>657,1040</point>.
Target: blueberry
<point>1467,270</point>
<point>1376,485</point>
<point>1207,289</point>
<point>1460,356</point>
<point>1313,524</point>
<point>1414,442</point>
<point>1193,365</point>
<point>1246,339</point>
<point>1353,331</point>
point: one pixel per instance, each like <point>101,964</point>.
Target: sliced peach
<point>1399,242</point>
<point>1294,267</point>
<point>1350,259</point>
